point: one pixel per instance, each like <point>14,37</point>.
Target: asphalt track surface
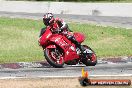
<point>122,67</point>
<point>101,69</point>
<point>70,71</point>
<point>123,22</point>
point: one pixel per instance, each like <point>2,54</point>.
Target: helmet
<point>48,19</point>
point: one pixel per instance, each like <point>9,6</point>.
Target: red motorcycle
<point>59,50</point>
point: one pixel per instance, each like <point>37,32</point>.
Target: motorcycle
<point>58,50</point>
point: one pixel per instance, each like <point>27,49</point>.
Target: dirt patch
<point>52,83</point>
<point>39,83</point>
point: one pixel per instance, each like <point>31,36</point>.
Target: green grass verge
<point>19,40</point>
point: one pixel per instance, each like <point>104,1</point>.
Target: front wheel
<point>54,57</point>
<point>91,58</point>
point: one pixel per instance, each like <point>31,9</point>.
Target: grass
<point>107,41</point>
<point>19,40</point>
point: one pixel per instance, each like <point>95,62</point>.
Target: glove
<point>58,30</point>
<point>70,37</point>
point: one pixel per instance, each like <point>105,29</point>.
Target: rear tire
<point>91,59</point>
<point>50,60</point>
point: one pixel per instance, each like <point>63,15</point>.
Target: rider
<point>49,20</point>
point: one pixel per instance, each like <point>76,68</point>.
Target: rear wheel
<point>91,59</point>
<point>54,57</point>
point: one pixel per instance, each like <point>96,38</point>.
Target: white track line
<point>123,75</point>
<point>120,75</point>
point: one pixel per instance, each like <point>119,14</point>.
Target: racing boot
<point>78,44</point>
<point>80,47</point>
<point>72,38</point>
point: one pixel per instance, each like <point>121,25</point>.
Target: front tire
<point>51,57</point>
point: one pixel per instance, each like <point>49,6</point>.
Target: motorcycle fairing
<point>68,47</point>
<point>45,37</point>
<point>79,37</point>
